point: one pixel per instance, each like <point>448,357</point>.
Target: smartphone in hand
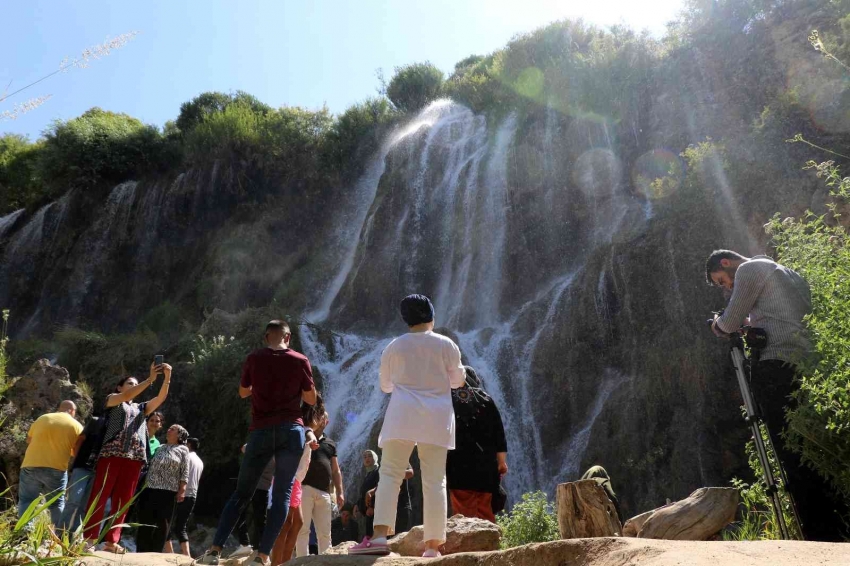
<point>158,360</point>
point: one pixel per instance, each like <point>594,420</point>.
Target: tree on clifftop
<point>413,86</point>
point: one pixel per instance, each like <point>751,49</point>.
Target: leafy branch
<point>816,42</point>
<point>800,139</point>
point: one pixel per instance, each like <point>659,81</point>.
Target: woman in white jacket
<point>419,369</point>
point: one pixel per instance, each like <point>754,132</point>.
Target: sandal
<point>368,547</point>
<point>114,548</point>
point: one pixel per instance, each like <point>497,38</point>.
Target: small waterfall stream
<point>8,221</point>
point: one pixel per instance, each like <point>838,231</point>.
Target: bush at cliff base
<point>816,247</point>
<point>531,520</point>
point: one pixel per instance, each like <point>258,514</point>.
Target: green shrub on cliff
<point>100,359</point>
<point>206,104</point>
<point>102,147</point>
<point>286,143</point>
<point>218,411</point>
<point>355,130</point>
<point>415,85</point>
<point>530,520</point>
<point>475,83</point>
<point>20,182</point>
<point>817,247</point>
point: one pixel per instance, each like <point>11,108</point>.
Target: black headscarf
<point>417,309</point>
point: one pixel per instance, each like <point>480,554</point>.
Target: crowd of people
<point>289,497</point>
<point>290,475</point>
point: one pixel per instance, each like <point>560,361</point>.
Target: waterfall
<point>28,239</point>
<point>352,230</point>
<point>8,221</point>
<point>569,469</point>
<point>99,241</point>
<point>458,204</point>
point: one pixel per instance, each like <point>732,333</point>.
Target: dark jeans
<point>156,507</point>
<point>259,510</point>
<point>48,482</point>
<point>181,518</point>
<point>284,443</point>
<point>820,509</point>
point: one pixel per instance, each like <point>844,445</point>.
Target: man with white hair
<point>51,440</point>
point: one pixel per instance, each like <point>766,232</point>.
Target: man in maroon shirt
<point>277,380</point>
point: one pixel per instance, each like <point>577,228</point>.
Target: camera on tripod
<point>756,339</point>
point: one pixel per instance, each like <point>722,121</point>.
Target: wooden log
<point>633,525</point>
<point>584,511</point>
<point>705,512</point>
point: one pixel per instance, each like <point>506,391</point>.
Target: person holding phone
<point>123,453</point>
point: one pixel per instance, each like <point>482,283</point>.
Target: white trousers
<point>394,462</point>
<point>316,506</point>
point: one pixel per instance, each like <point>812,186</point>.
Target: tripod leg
<point>782,475</point>
<point>769,480</point>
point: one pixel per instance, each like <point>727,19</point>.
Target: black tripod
<point>756,338</point>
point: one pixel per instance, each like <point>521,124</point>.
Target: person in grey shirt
<point>770,296</point>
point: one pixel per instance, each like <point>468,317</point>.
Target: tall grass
<point>32,540</point>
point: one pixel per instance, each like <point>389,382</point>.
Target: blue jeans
<point>34,482</point>
<point>284,442</point>
<point>79,488</point>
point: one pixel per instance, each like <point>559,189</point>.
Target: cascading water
<point>354,227</point>
<point>457,207</point>
<point>8,221</point>
<point>100,240</point>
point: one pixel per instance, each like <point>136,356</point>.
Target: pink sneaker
<point>377,547</point>
<point>431,553</point>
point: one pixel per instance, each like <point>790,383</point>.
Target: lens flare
<point>530,83</point>
<point>823,92</point>
<point>658,173</point>
<point>597,172</point>
<point>829,106</point>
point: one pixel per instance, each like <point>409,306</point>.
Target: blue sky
<point>305,53</point>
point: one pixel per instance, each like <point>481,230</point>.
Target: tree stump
<point>699,517</point>
<point>584,511</point>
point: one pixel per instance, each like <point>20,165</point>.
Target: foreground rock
<point>584,511</point>
<point>576,552</point>
<point>698,517</point>
<point>463,534</point>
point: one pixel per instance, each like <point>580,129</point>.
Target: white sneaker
<point>242,551</point>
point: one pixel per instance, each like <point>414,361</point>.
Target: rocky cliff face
<point>574,287</point>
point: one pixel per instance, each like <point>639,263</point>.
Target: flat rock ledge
<point>576,552</point>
